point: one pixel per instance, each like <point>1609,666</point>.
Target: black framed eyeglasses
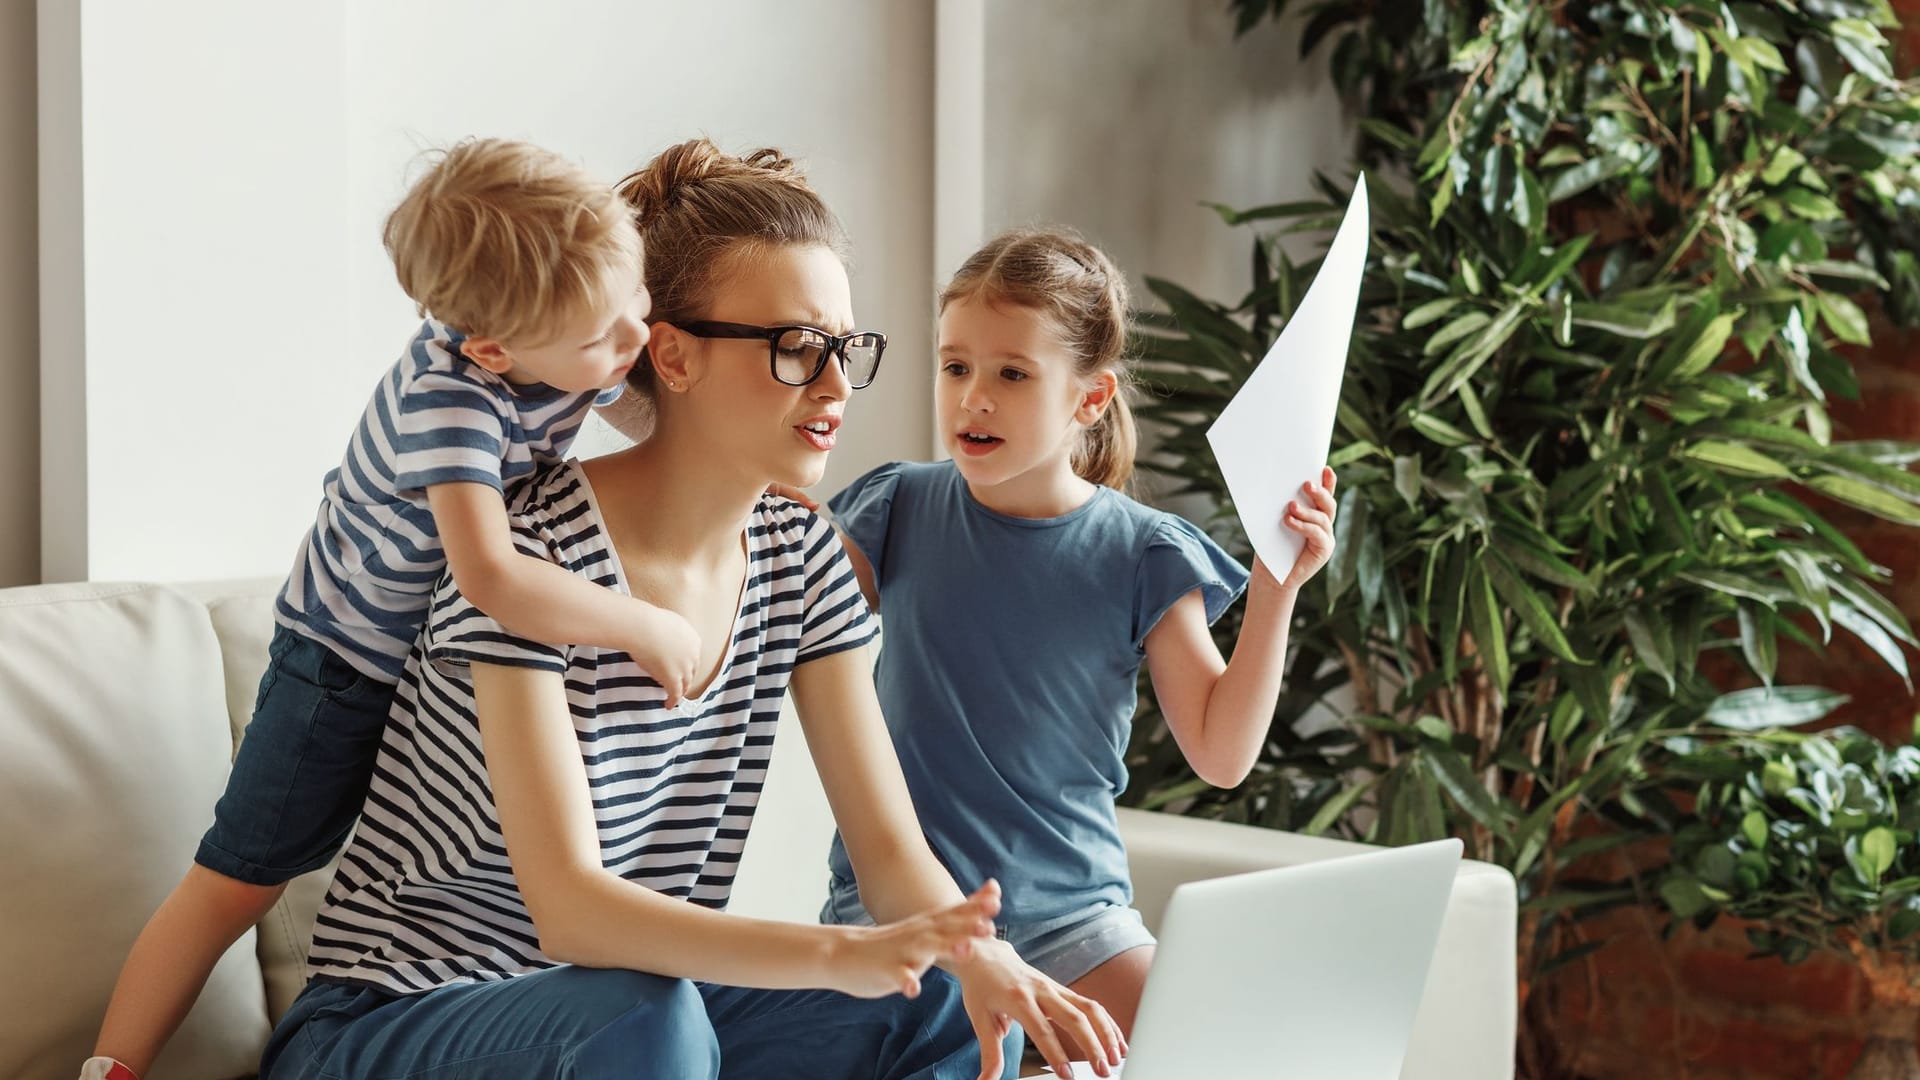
<point>798,354</point>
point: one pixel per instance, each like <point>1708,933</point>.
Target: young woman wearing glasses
<point>534,889</point>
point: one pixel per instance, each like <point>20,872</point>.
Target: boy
<point>529,275</point>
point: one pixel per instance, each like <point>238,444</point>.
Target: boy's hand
<point>874,961</point>
<point>668,647</point>
<point>1314,522</point>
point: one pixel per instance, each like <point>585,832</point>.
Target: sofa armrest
<point>1466,1025</point>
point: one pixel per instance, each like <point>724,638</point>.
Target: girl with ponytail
<point>1021,590</point>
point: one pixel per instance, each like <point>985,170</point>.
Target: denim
<point>1064,948</point>
<point>587,1023</point>
<point>305,760</point>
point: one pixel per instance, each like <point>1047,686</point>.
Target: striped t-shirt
<point>424,895</point>
<point>360,582</point>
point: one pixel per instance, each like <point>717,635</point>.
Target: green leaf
<point>1754,828</point>
<point>1456,778</point>
<point>1406,478</point>
<point>1438,430</point>
<point>1757,641</point>
<point>1876,638</point>
<point>1532,608</point>
<point>1844,318</point>
<point>1539,562</point>
<point>1349,524</point>
<point>1879,848</point>
<point>1652,643</point>
<point>1862,496</point>
<point>1624,321</point>
<point>1455,330</point>
<point>1429,312</point>
<point>1336,808</point>
<point>1733,457</point>
<point>1780,706</point>
<point>1706,348</point>
<point>1489,635</point>
<point>1683,897</point>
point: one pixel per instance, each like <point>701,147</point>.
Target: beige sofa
<point>120,705</point>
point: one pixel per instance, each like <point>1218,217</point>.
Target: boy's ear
<point>1095,401</point>
<point>488,353</point>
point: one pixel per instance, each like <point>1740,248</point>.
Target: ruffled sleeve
<point>864,511</point>
<point>1179,559</point>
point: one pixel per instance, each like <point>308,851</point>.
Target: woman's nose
<point>832,383</point>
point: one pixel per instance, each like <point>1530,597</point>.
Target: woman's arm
<point>899,875</point>
<point>1219,711</point>
<point>587,915</point>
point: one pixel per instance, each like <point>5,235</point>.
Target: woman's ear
<point>488,353</point>
<point>1094,402</point>
<point>670,350</point>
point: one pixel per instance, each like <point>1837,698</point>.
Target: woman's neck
<point>662,497</point>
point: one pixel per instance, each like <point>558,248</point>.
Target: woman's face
<point>779,432</point>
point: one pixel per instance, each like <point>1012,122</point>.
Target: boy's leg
<point>824,1035</point>
<point>566,1022</point>
<point>171,959</point>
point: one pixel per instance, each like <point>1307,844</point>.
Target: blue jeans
<point>304,764</point>
<point>585,1023</point>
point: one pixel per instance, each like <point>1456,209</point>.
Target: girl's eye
<point>1013,374</point>
<point>954,369</point>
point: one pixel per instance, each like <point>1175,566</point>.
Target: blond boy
<point>529,274</point>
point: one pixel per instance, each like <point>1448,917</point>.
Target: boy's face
<point>591,351</point>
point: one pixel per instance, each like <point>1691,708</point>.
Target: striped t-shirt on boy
<point>424,896</point>
<point>360,582</point>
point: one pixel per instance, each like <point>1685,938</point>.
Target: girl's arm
<point>1219,711</point>
<point>544,602</point>
<point>585,914</point>
<point>899,875</point>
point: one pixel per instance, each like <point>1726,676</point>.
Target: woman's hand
<point>874,961</point>
<point>1314,523</point>
<point>999,988</point>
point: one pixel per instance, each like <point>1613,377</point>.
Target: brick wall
<point>1695,1007</point>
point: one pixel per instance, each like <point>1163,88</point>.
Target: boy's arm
<point>544,602</point>
<point>171,959</point>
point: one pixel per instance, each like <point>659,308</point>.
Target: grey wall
<point>19,301</point>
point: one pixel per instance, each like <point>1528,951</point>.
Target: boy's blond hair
<point>505,240</point>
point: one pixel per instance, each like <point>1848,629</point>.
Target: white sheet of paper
<point>1274,435</point>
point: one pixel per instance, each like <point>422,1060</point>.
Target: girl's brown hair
<point>1083,295</point>
<point>701,212</point>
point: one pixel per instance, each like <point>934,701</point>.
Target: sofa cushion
<point>113,747</point>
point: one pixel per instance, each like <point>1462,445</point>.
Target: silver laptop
<point>1310,971</point>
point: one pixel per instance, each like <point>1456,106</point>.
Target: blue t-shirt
<point>1009,654</point>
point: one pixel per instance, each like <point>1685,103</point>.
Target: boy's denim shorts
<point>301,775</point>
<point>1064,948</point>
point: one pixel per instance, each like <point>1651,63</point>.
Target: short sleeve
<point>446,428</point>
<point>610,395</point>
<point>837,617</point>
<point>863,511</point>
<point>1179,559</point>
<point>459,634</point>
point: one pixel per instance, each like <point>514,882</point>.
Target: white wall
<point>236,264</point>
<point>19,302</point>
<point>221,169</point>
<point>1159,110</point>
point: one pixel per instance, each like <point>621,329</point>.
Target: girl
<point>535,886</point>
<point>1021,591</point>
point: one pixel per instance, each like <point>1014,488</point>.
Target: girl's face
<point>766,428</point>
<point>1006,397</point>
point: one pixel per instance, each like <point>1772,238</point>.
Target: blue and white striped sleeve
<point>459,634</point>
<point>447,428</point>
<point>837,617</point>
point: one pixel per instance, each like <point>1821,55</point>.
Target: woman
<point>533,889</point>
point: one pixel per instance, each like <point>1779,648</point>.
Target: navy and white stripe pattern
<point>361,580</point>
<point>424,895</point>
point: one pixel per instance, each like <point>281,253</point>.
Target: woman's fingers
<point>993,1055</point>
<point>1072,1017</point>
